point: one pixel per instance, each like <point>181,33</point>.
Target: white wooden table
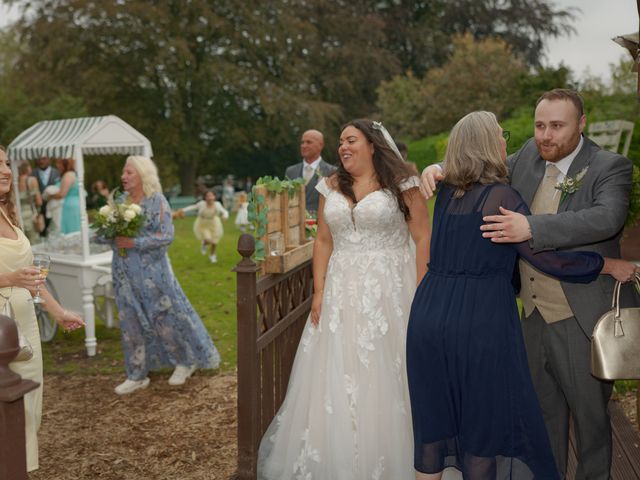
<point>74,279</point>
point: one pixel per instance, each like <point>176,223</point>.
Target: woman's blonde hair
<point>474,153</point>
<point>8,203</point>
<point>148,174</point>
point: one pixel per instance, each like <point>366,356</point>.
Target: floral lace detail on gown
<point>346,414</point>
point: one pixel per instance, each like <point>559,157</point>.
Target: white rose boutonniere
<point>571,185</point>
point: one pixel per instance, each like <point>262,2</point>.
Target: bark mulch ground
<point>161,433</point>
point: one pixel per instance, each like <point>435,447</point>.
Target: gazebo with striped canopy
<point>76,276</point>
<point>75,138</point>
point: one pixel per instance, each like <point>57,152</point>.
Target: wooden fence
<point>271,312</point>
<point>13,462</point>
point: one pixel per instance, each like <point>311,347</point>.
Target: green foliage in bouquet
<point>118,219</point>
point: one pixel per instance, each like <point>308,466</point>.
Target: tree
<point>402,101</point>
<point>481,75</point>
<point>223,85</point>
<point>420,31</point>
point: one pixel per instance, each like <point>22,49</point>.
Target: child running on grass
<point>208,225</point>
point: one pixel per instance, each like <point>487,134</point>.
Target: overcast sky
<point>590,47</point>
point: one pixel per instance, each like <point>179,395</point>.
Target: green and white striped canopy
<point>88,135</point>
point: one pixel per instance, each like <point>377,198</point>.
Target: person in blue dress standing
<point>472,398</point>
<point>159,326</point>
<point>68,192</point>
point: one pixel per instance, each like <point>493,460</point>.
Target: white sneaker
<point>130,386</point>
<point>203,248</point>
<point>213,258</point>
<point>180,374</point>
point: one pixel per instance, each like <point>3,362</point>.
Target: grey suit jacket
<point>590,219</point>
<point>311,194</point>
<point>54,176</point>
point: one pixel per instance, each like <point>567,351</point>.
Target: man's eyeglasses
<point>506,134</point>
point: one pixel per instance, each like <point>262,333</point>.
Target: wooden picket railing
<point>271,314</point>
<point>13,461</point>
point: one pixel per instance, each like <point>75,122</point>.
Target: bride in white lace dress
<point>346,415</point>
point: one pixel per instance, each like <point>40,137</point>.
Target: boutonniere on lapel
<point>319,174</point>
<point>571,185</point>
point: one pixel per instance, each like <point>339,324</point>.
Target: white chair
<point>610,134</point>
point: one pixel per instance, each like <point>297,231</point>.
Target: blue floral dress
<point>159,326</point>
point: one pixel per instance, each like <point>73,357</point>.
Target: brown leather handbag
<point>615,342</point>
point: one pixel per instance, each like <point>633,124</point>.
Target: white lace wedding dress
<point>346,415</point>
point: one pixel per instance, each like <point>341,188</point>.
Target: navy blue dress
<point>472,398</point>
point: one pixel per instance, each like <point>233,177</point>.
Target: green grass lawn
<point>211,288</point>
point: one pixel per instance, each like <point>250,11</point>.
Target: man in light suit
<point>312,167</point>
<point>46,175</point>
<point>559,317</point>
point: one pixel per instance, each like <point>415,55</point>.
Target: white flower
<point>105,211</point>
<point>129,214</point>
<point>136,208</point>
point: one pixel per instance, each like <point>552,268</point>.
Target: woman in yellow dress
<point>208,225</point>
<point>18,281</point>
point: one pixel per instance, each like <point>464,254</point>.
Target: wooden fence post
<point>13,461</point>
<point>248,379</point>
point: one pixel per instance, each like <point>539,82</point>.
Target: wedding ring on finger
<point>501,233</point>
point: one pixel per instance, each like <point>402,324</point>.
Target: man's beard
<point>559,152</point>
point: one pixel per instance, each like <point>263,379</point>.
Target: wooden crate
<point>285,221</point>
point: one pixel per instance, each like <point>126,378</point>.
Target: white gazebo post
<point>86,281</point>
<point>77,138</point>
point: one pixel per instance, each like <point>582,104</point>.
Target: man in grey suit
<point>559,317</point>
<point>312,167</point>
<point>46,175</point>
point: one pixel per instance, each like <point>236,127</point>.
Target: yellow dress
<point>15,254</point>
<point>208,225</point>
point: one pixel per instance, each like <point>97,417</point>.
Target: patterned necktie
<point>307,173</point>
<point>548,196</point>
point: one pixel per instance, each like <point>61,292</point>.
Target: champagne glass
<point>41,261</point>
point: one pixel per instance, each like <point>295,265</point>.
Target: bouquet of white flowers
<point>118,220</point>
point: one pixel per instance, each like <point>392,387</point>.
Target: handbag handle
<point>615,305</point>
<point>615,301</point>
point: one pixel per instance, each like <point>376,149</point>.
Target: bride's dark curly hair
<point>390,170</point>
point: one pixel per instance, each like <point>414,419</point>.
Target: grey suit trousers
<point>559,360</point>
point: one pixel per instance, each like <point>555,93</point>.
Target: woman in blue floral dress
<point>159,326</point>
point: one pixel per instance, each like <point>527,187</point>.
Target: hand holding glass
<point>41,261</point>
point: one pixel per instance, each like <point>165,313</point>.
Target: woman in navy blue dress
<point>472,399</point>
